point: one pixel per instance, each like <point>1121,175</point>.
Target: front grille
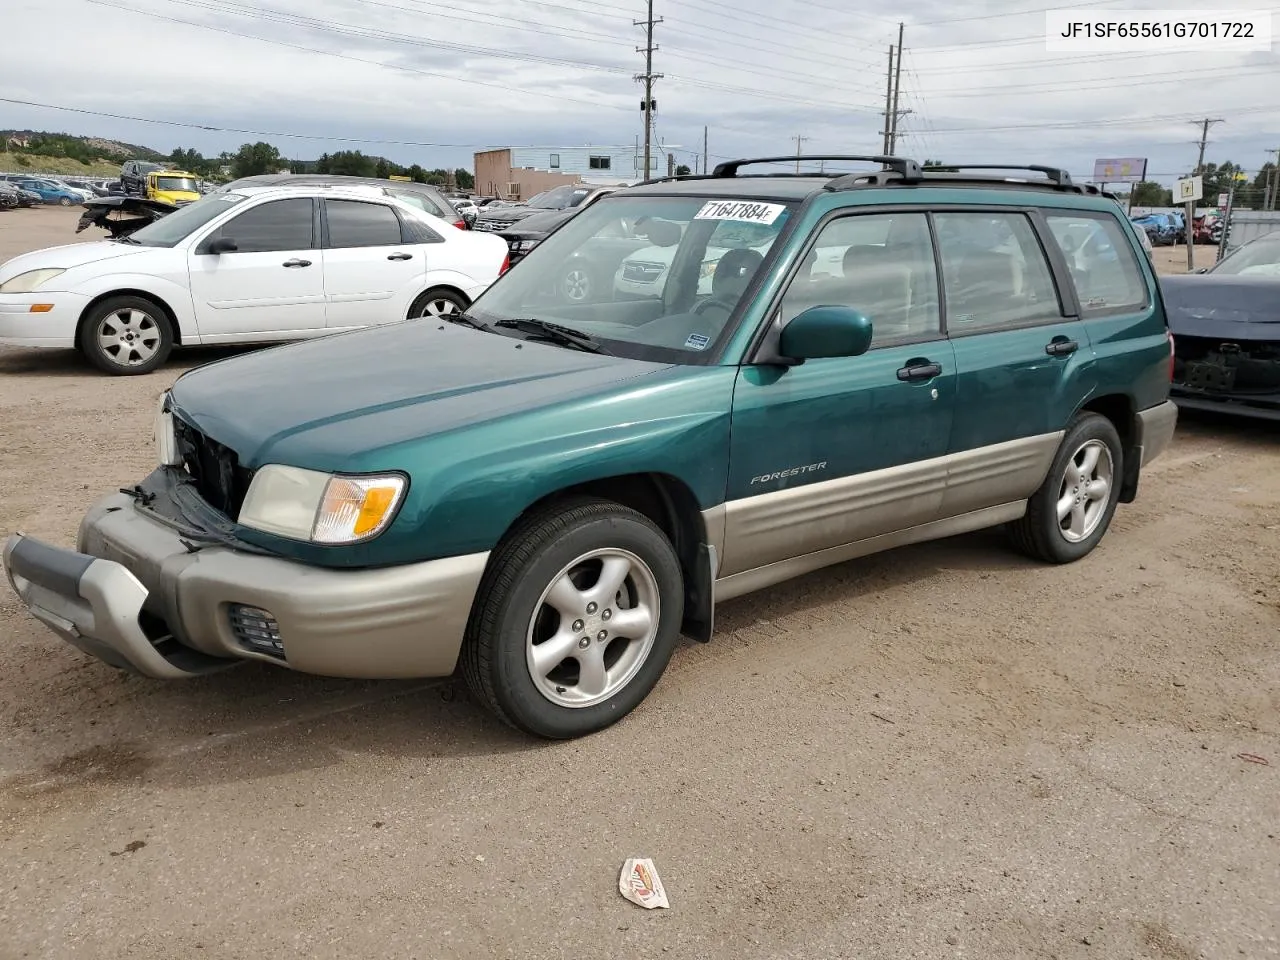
<point>490,225</point>
<point>256,629</point>
<point>642,272</point>
<point>215,469</point>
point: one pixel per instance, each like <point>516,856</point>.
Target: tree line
<point>254,159</point>
<point>1217,180</point>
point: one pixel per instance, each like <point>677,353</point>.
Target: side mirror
<point>1201,270</point>
<point>223,245</point>
<point>826,331</point>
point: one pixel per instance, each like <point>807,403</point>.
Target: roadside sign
<point>1222,199</point>
<point>1120,170</point>
<point>1190,189</point>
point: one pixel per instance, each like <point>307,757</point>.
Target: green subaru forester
<point>763,375</point>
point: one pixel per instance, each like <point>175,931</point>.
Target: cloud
<point>978,83</point>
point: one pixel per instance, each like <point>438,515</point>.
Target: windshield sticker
<point>697,341</point>
<point>763,213</point>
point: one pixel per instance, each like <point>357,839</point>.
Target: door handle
<point>400,256</point>
<point>920,370</point>
<point>1061,347</point>
<point>296,263</point>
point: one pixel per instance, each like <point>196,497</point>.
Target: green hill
<point>35,163</point>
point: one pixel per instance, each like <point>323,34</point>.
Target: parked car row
<point>49,189</point>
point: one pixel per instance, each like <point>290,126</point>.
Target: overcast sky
<point>469,74</point>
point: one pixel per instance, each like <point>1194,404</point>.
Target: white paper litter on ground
<point>640,884</point>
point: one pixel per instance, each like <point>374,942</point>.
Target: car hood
<point>67,256</point>
<point>1230,307</point>
<point>540,224</point>
<point>508,214</point>
<point>331,403</point>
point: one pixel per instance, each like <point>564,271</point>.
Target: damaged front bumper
<point>1240,378</point>
<point>141,595</point>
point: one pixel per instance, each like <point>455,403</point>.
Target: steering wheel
<point>713,301</point>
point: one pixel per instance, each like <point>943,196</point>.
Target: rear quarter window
<point>1104,268</point>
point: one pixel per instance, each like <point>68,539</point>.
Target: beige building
<point>496,176</point>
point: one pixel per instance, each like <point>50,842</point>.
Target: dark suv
<point>566,197</point>
<point>133,176</point>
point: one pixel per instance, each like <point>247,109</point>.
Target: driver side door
<point>272,285</point>
<point>842,449</point>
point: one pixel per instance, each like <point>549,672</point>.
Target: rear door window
<point>994,272</point>
<point>356,224</point>
<point>1103,266</point>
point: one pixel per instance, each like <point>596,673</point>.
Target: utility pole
<point>1272,183</point>
<point>705,155</point>
<point>897,88</point>
<point>1206,123</point>
<point>648,77</point>
<point>888,103</point>
<point>799,140</point>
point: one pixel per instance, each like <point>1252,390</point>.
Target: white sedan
<point>257,265</point>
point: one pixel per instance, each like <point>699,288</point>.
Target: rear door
<point>371,275</point>
<point>271,285</point>
<point>1024,363</point>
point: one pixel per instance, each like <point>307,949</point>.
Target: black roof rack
<point>903,166</point>
<point>1058,176</point>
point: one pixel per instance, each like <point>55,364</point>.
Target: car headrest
<point>734,272</point>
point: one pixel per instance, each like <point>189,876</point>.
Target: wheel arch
<point>1120,409</point>
<point>159,301</point>
<point>440,287</point>
<point>670,503</point>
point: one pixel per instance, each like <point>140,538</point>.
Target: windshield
<point>1261,258</point>
<point>172,229</point>
<point>560,198</point>
<point>651,278</point>
<point>184,184</point>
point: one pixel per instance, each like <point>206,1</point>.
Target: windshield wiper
<point>126,239</point>
<point>544,329</point>
<point>466,319</point>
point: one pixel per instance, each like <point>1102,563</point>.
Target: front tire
<point>575,620</point>
<point>64,201</point>
<point>1070,513</point>
<point>126,336</point>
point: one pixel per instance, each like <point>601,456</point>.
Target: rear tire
<point>1070,513</point>
<point>126,336</point>
<point>575,620</point>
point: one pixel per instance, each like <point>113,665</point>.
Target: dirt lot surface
<point>943,751</point>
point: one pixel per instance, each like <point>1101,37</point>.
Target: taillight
<point>1171,361</point>
<point>506,265</point>
<point>460,224</point>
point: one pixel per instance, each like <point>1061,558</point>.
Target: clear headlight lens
<point>524,246</point>
<point>320,507</point>
<point>29,281</point>
<point>166,440</point>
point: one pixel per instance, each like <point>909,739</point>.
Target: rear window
<point>356,224</point>
<point>1103,266</point>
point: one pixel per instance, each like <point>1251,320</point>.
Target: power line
<point>1100,83</point>
<point>491,52</point>
<point>247,132</point>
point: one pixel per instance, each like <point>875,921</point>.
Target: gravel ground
<point>943,751</point>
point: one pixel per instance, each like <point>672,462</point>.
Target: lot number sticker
<point>746,211</point>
